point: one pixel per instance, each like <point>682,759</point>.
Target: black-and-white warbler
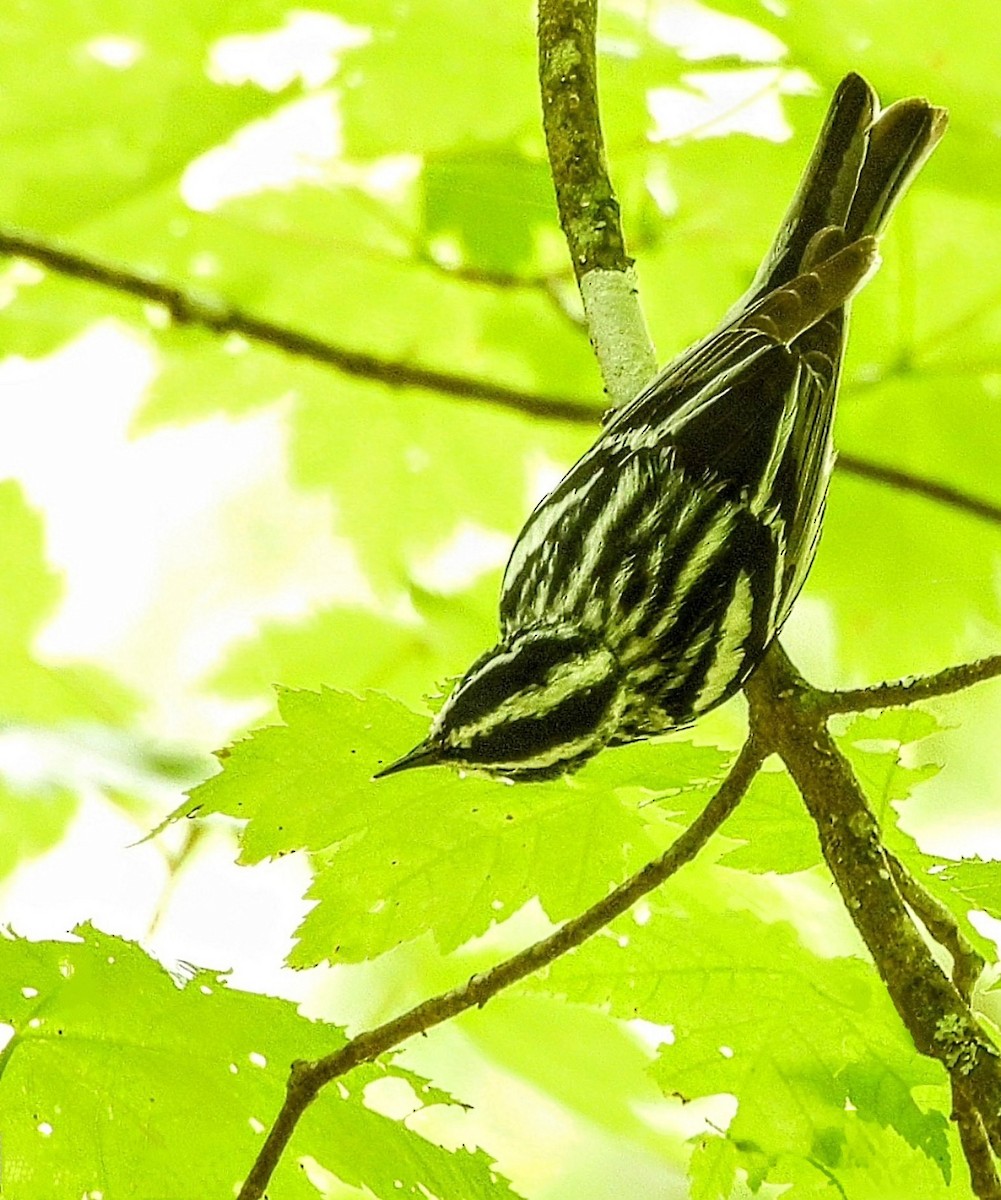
<point>646,587</point>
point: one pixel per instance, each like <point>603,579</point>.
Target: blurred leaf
<point>29,689</point>
<point>32,821</point>
<point>607,1087</point>
<point>713,1168</point>
<point>356,649</point>
<point>947,55</point>
<point>490,200</point>
<point>461,98</point>
<point>406,468</point>
<point>133,104</point>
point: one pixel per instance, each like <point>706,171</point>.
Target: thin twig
<point>308,1078</point>
<point>967,964</point>
<point>930,489</point>
<point>194,834</point>
<point>210,312</point>
<point>907,691</point>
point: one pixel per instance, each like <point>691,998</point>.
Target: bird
<point>646,587</point>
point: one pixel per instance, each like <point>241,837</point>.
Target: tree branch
<point>930,489</point>
<point>976,1147</point>
<point>215,314</point>
<point>307,1078</point>
<point>967,965</point>
<point>908,691</point>
<point>589,212</point>
<point>212,313</point>
<point>792,719</point>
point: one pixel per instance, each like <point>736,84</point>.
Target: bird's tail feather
<point>898,145</point>
<point>863,162</point>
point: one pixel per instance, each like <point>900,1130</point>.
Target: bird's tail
<point>863,162</point>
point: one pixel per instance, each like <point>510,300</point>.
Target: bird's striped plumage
<point>646,587</point>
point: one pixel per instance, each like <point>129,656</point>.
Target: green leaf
<point>774,826</point>
<point>874,745</point>
<point>976,882</point>
<point>105,1040</point>
<point>877,1165</point>
<point>793,1036</point>
<point>713,1168</point>
<point>484,848</point>
<point>490,201</point>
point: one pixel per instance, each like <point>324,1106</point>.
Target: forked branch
<point>934,1009</point>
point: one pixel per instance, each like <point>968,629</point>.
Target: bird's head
<point>537,705</point>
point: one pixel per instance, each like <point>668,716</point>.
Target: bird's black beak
<point>423,755</point>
